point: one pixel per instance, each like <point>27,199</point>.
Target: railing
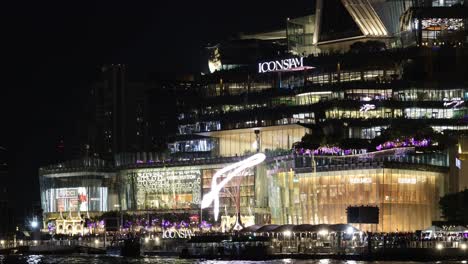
<point>191,161</point>
<point>370,160</point>
<point>85,242</point>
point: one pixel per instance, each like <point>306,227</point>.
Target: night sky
<point>51,52</point>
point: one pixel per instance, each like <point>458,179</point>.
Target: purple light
<point>183,224</point>
<point>205,225</point>
<point>405,143</point>
<point>326,150</point>
<point>166,224</point>
<point>51,227</point>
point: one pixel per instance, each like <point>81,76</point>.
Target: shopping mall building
<point>376,67</point>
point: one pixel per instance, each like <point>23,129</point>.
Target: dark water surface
<point>38,259</point>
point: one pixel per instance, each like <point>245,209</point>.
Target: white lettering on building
<point>169,182</point>
<point>454,102</point>
<point>174,233</point>
<point>281,65</point>
<point>367,107</point>
<point>407,180</point>
<point>360,180</point>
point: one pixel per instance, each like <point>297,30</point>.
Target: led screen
<point>76,199</point>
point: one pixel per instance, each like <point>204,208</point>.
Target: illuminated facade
<point>285,189</point>
<point>84,186</point>
<point>181,188</point>
<point>160,188</point>
<point>239,142</point>
<point>407,196</point>
<point>320,71</point>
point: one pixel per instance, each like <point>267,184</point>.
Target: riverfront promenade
<point>397,246</point>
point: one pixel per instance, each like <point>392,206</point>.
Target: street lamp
<point>34,224</point>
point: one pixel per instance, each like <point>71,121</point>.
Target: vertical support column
<point>257,140</point>
<point>318,21</point>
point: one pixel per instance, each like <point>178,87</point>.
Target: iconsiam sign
<point>291,64</point>
<point>404,143</point>
<point>174,233</point>
<point>228,173</point>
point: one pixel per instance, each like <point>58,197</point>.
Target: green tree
<point>354,143</point>
<point>330,133</point>
<point>404,128</point>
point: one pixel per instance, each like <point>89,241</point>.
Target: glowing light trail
<point>231,171</point>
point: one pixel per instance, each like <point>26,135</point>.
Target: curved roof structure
<point>342,228</point>
<point>299,228</point>
<point>250,229</point>
<point>305,228</point>
<point>284,228</point>
<point>266,228</point>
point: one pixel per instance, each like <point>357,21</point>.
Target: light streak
<point>231,171</point>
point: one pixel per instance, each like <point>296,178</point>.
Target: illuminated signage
<point>71,199</point>
<point>360,180</point>
<point>291,64</point>
<point>453,103</point>
<point>228,172</point>
<point>367,107</point>
<point>157,188</point>
<point>76,199</point>
<point>174,233</point>
<point>67,193</point>
<point>407,180</point>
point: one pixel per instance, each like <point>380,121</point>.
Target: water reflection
<point>33,259</point>
<point>38,259</point>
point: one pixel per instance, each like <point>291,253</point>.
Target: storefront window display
<point>77,199</point>
<point>78,191</point>
<point>407,199</point>
<point>162,188</point>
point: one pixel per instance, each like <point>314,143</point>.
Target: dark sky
<point>52,50</point>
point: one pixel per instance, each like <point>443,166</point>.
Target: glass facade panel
<point>239,143</point>
<point>78,191</point>
<point>244,185</point>
<point>407,199</point>
<point>350,76</point>
<point>382,112</point>
<point>161,188</point>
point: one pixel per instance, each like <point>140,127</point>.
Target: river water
<point>119,260</point>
